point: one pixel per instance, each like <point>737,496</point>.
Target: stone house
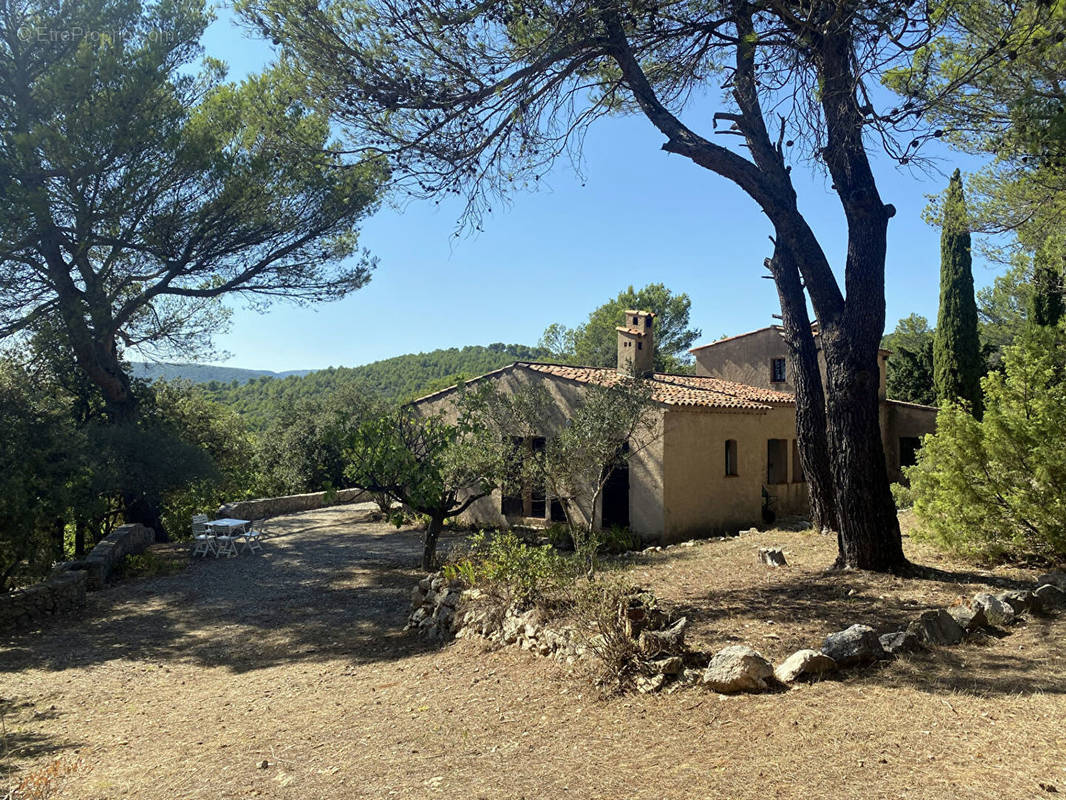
<point>715,445</point>
<point>758,358</point>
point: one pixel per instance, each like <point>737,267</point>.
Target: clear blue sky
<point>637,216</point>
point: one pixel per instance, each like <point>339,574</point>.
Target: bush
<point>902,495</point>
<point>602,608</point>
<point>527,573</point>
<point>996,488</point>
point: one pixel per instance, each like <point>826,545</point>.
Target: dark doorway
<point>908,450</point>
<point>615,500</point>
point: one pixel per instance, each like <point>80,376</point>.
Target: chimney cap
<point>644,313</point>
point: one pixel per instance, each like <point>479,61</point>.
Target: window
<point>526,500</point>
<point>908,450</point>
<point>731,457</point>
<point>777,461</point>
<point>777,370</point>
<point>797,466</point>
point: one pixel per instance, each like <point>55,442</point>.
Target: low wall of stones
<point>442,611</point>
<point>275,506</point>
<point>124,541</point>
<point>63,591</point>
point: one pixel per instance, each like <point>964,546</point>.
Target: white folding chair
<point>202,536</point>
<point>226,544</point>
<point>252,536</point>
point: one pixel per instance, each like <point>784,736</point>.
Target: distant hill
<point>204,373</point>
<point>258,396</point>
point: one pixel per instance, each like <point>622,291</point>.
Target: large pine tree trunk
<point>869,528</point>
<point>810,396</point>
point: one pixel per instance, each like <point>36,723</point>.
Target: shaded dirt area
<point>181,686</point>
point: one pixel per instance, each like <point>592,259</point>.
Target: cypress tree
<point>1047,288</point>
<point>957,363</point>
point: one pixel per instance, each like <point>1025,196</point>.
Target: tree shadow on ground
<point>320,590</point>
<point>18,742</point>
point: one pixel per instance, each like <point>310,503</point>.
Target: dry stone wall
<point>275,506</point>
<point>443,611</point>
<point>63,591</point>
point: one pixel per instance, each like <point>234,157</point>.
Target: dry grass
<point>180,686</point>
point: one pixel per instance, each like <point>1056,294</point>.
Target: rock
<point>937,628</point>
<point>647,685</point>
<point>510,629</point>
<point>1056,578</point>
<point>1020,600</point>
<point>425,583</point>
<point>856,645</point>
<point>900,642</point>
<point>417,596</point>
<point>674,665</point>
<point>772,556</point>
<point>449,597</point>
<point>669,641</point>
<point>996,611</point>
<point>804,663</point>
<point>436,583</point>
<point>1051,597</point>
<point>969,619</point>
<point>738,669</point>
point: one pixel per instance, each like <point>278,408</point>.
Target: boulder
<point>899,642</point>
<point>853,646</point>
<point>1056,578</point>
<point>669,641</point>
<point>1051,597</point>
<point>969,619</point>
<point>1020,600</point>
<point>772,556</point>
<point>674,665</point>
<point>804,663</point>
<point>738,669</point>
<point>937,628</point>
<point>996,611</point>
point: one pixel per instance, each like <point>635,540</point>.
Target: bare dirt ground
<point>181,686</point>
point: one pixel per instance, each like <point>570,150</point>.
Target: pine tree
<point>957,363</point>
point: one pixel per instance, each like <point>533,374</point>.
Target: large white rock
<point>1056,578</point>
<point>804,663</point>
<point>738,669</point>
<point>996,611</point>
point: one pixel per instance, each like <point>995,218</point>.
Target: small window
<point>797,465</point>
<point>776,461</point>
<point>640,345</point>
<point>636,320</point>
<point>647,322</point>
<point>777,370</point>
<point>731,457</point>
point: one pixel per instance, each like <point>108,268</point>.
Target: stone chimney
<point>636,343</point>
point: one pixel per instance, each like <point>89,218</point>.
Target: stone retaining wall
<point>121,542</point>
<point>275,506</point>
<point>63,591</point>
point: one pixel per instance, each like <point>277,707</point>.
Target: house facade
<point>758,358</point>
<point>713,447</point>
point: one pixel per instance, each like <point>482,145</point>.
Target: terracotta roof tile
<point>677,390</point>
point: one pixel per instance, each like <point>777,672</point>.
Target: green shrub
<point>903,495</point>
<point>996,488</point>
<point>527,573</point>
<point>617,539</point>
